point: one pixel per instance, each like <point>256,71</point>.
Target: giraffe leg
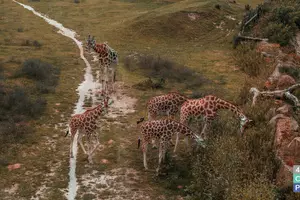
<point>96,146</point>
<point>160,152</point>
<point>89,150</point>
<point>186,140</point>
<point>176,143</point>
<point>204,130</point>
<point>145,147</point>
<point>80,142</point>
<point>71,145</point>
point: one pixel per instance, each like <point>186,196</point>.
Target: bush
<point>15,102</point>
<point>163,69</point>
<point>20,29</point>
<point>250,61</point>
<point>47,76</point>
<point>235,167</point>
<point>12,133</point>
<point>36,43</point>
<point>279,33</point>
<point>149,83</point>
<point>218,6</point>
<point>293,72</point>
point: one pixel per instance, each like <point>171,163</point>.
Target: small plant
<point>20,29</point>
<point>218,6</point>
<point>247,7</point>
<point>36,43</point>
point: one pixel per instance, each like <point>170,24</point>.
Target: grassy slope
<point>115,22</point>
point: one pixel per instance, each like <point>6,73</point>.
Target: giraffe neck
<point>96,112</point>
<point>187,132</point>
<point>222,104</point>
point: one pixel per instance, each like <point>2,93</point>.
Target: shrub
<point>149,83</point>
<point>293,72</point>
<point>163,69</point>
<point>47,76</point>
<point>20,29</point>
<point>279,33</point>
<point>250,61</point>
<point>16,101</point>
<point>247,7</point>
<point>218,6</point>
<point>235,167</point>
<point>12,133</point>
<point>36,43</point>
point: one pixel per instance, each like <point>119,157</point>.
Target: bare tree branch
<point>286,93</point>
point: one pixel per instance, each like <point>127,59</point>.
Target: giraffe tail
<point>67,133</point>
<point>139,142</point>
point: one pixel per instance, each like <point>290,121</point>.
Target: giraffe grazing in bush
<point>207,107</point>
<point>108,57</point>
<point>85,123</point>
<point>166,104</point>
<point>162,130</point>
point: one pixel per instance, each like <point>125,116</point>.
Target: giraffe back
<point>163,104</point>
<point>164,129</point>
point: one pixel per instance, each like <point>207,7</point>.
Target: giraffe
<point>166,104</point>
<point>108,57</point>
<point>162,130</point>
<point>207,107</point>
<point>85,123</point>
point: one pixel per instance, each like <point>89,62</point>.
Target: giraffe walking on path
<point>108,59</point>
<point>162,130</point>
<point>85,124</point>
<point>208,107</point>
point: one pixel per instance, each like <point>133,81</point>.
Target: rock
<point>14,166</point>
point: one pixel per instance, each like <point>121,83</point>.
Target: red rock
<point>104,161</point>
<point>14,166</point>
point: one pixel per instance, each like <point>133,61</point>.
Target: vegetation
<point>278,21</point>
<point>19,104</point>
<point>164,69</point>
<point>45,74</point>
<point>250,61</point>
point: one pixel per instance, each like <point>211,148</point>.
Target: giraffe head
<point>113,55</point>
<point>245,123</point>
<point>89,42</point>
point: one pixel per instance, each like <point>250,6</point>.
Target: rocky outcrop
<point>285,126</point>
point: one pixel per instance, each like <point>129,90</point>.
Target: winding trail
<point>83,90</point>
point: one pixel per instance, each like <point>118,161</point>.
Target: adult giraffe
<point>162,130</point>
<point>208,107</point>
<point>108,57</point>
